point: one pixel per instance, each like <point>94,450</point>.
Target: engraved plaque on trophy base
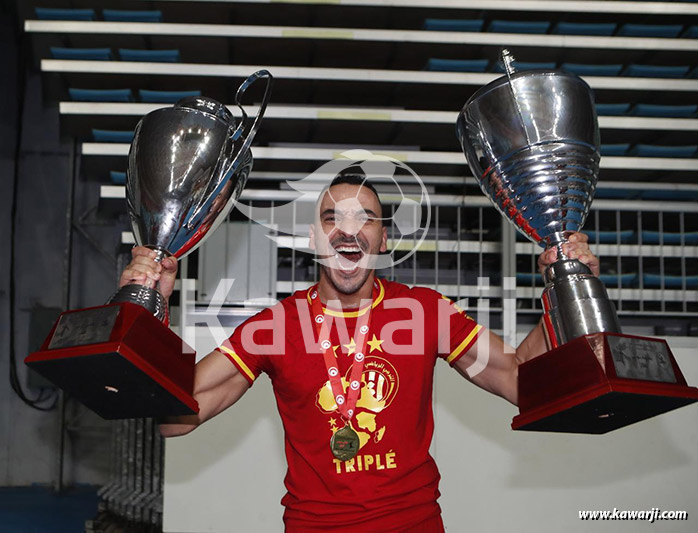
<point>120,361</point>
<point>598,383</point>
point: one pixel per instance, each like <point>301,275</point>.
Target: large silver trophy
<point>531,139</point>
<point>187,166</point>
<point>532,142</point>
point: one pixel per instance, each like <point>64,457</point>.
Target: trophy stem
<point>160,252</point>
<point>575,303</point>
<point>145,295</point>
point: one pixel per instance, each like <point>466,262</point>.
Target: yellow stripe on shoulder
<point>239,361</point>
<point>463,345</point>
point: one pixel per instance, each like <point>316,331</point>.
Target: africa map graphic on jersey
<point>379,386</point>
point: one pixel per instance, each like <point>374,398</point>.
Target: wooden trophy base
<point>598,383</point>
<point>120,361</point>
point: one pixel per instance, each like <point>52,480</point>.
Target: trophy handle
<point>239,131</point>
<point>257,120</point>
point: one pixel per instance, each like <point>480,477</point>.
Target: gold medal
<point>344,443</point>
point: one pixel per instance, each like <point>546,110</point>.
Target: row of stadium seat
<point>647,110</point>
<point>126,95</point>
<point>625,149</point>
<point>618,109</point>
<point>581,69</point>
<point>625,280</point>
<point>564,28</point>
<point>648,150</point>
<point>431,24</point>
<point>604,237</point>
<point>125,54</point>
<point>435,64</point>
<point>630,236</point>
<point>109,15</point>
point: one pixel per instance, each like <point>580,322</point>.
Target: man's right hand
<point>143,270</point>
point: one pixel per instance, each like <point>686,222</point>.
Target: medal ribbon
<point>346,402</point>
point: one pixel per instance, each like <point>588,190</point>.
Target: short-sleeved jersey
<point>392,483</point>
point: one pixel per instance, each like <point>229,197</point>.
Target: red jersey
<point>392,483</point>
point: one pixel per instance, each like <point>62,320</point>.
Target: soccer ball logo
<point>405,200</point>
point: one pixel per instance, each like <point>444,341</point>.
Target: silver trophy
<point>531,139</point>
<point>187,166</point>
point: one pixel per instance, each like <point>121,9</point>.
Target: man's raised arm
<point>500,373</point>
<point>217,385</point>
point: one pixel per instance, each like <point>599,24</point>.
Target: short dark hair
<point>353,176</point>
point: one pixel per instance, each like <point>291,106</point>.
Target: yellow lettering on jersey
<point>361,463</point>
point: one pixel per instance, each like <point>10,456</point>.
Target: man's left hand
<point>576,248</point>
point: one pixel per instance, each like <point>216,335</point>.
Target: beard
<point>346,284</point>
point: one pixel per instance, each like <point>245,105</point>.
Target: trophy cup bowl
<point>187,166</point>
<point>531,139</point>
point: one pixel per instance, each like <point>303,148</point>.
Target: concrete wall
<point>29,438</point>
<point>227,475</point>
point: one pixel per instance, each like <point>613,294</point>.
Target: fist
<point>576,248</point>
<point>143,270</point>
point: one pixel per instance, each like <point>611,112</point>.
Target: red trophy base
<point>120,361</point>
<point>598,383</point>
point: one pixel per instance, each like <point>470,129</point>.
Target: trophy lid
<point>531,139</point>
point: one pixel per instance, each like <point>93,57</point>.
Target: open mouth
<point>350,252</point>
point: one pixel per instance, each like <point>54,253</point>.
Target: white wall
<point>227,476</point>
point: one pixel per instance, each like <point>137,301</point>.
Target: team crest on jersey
<point>379,386</point>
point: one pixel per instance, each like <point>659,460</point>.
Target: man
<point>351,362</point>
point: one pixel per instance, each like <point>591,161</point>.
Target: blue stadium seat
<point>510,26</point>
<point>117,178</point>
<point>49,13</point>
<point>167,97</point>
<point>453,24</point>
<point>670,282</point>
<point>619,149</point>
<point>656,110</point>
<point>624,280</point>
<point>163,56</point>
<point>88,54</point>
<point>592,70</point>
<point>669,194</point>
<point>457,65</point>
<point>611,237</point>
<point>112,136</point>
<point>656,71</point>
<point>654,150</point>
<point>650,30</point>
<point>101,95</point>
<point>653,237</point>
<point>119,15</point>
<point>529,278</point>
<point>585,28</point>
<point>612,109</point>
<point>527,65</point>
<point>615,194</point>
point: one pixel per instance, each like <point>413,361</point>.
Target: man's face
<point>347,235</point>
